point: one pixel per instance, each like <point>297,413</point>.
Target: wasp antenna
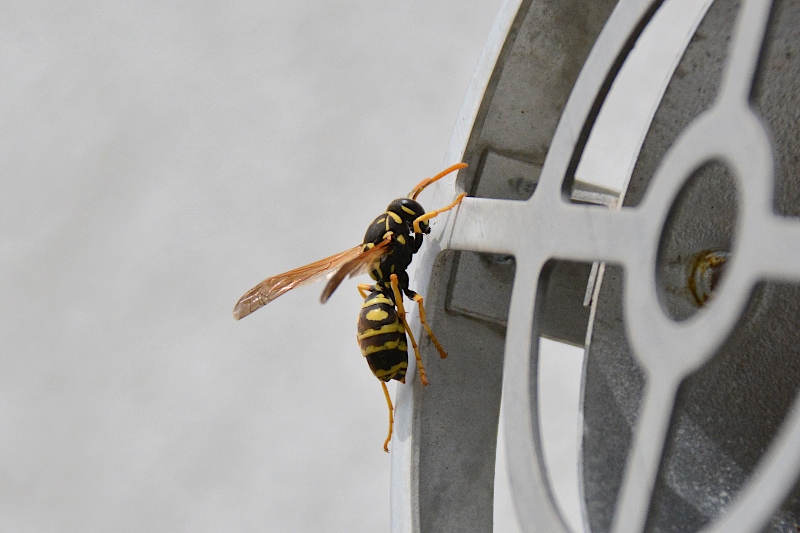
<point>427,181</point>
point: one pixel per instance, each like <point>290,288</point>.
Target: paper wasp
<point>385,253</point>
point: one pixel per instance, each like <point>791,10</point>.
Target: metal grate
<point>691,379</point>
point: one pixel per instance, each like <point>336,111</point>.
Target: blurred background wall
<point>158,159</point>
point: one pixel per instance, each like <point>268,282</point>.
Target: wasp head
<point>409,210</point>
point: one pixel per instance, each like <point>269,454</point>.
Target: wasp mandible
<point>389,244</point>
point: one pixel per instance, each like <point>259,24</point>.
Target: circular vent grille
<point>633,189</point>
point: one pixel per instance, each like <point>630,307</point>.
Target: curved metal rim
<point>586,233</point>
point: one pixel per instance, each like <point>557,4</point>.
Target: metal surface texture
<point>681,283</point>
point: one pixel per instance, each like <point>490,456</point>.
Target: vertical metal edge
<point>404,488</point>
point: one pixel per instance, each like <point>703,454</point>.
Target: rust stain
<point>705,274</point>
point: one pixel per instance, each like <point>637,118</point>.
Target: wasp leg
<point>364,289</point>
<point>401,313</point>
<point>430,215</point>
<point>422,318</point>
<point>391,416</point>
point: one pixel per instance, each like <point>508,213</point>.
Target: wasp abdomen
<point>382,337</point>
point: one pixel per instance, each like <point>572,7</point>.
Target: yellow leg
<point>391,416</point>
<point>424,322</point>
<point>363,288</point>
<point>401,313</point>
<point>430,215</point>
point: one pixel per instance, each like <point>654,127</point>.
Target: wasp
<point>387,249</point>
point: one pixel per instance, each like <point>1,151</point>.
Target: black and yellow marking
<point>395,217</point>
<point>382,337</point>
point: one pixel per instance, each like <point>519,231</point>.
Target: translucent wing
<point>356,266</point>
<point>271,288</point>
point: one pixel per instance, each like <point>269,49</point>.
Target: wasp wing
<point>271,288</point>
<point>356,266</point>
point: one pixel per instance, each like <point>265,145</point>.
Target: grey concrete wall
<point>158,159</point>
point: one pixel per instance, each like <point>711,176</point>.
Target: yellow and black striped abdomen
<point>382,338</point>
